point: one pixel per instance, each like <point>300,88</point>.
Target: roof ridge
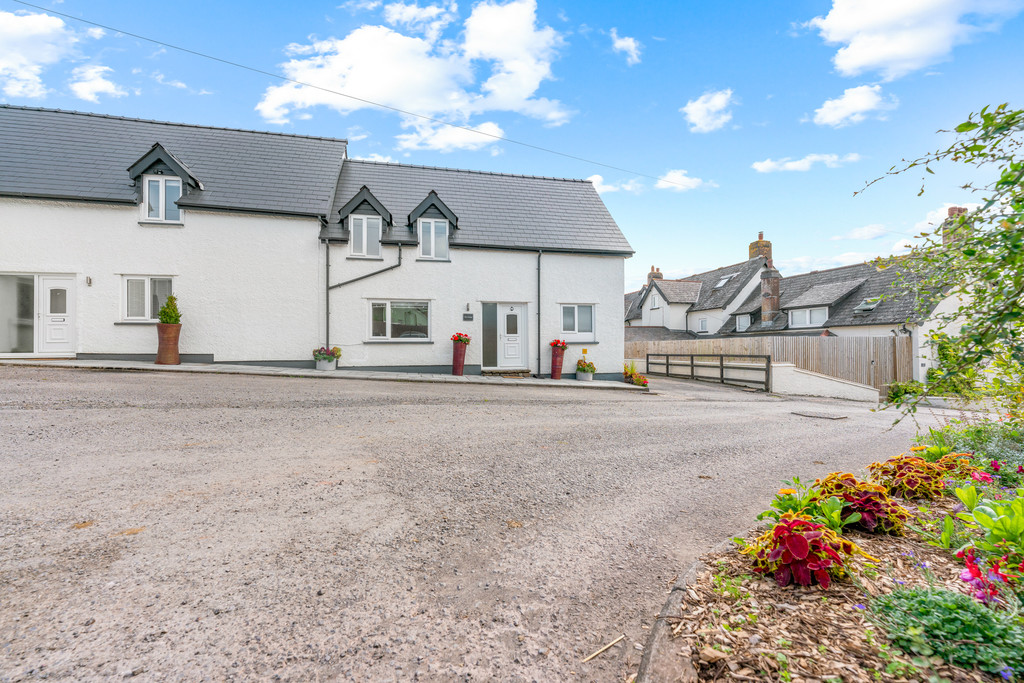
<point>731,265</point>
<point>828,270</point>
<point>170,123</point>
<point>351,160</point>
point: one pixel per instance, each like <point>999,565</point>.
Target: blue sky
<point>731,118</point>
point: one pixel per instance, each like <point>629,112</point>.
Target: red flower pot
<point>458,357</point>
<point>167,351</point>
<point>557,354</point>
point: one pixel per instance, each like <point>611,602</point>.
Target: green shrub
<point>169,313</point>
<point>898,390</point>
<point>931,622</point>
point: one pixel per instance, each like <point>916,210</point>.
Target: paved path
<point>196,526</point>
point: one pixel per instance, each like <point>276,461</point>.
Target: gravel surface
<point>227,527</point>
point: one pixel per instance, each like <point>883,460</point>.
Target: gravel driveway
<point>196,527</point>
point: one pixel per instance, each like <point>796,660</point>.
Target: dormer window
<point>742,322</point>
<point>433,237</point>
<point>160,194</point>
<point>364,241</point>
<point>808,317</point>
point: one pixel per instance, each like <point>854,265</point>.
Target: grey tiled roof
<point>72,155</point>
<point>631,304</point>
<point>711,298</point>
<point>679,291</point>
<point>494,209</point>
<point>638,333</point>
<point>849,286</point>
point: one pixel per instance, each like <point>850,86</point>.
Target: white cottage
<point>275,244</point>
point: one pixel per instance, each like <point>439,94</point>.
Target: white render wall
<point>473,277</point>
<point>250,287</point>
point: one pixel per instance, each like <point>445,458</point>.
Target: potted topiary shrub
<point>585,370</point>
<point>168,331</point>
<point>326,359</point>
<point>460,342</point>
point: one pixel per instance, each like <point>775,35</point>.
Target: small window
<point>654,301</point>
<point>808,317</point>
<point>400,320</point>
<point>868,305</point>
<point>578,320</point>
<point>364,239</point>
<point>144,296</point>
<point>433,239</point>
<point>723,280</point>
<point>742,322</point>
<point>160,200</point>
<point>702,325</point>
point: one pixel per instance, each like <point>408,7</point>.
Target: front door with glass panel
<point>56,315</point>
<point>511,336</point>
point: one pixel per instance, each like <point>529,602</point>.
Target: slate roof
<point>494,209</point>
<point>711,298</point>
<point>631,304</point>
<point>639,333</point>
<point>847,286</point>
<point>679,291</point>
<point>72,155</point>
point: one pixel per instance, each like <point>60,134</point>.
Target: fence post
<point>692,376</point>
<point>721,369</point>
<point>768,374</point>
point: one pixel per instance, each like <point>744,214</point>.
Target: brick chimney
<point>761,247</point>
<point>951,230</point>
<point>655,274</point>
<point>769,293</point>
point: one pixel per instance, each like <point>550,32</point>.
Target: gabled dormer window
<point>160,194</point>
<point>433,238</point>
<point>364,240</point>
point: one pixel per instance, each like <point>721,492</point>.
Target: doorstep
<point>269,371</point>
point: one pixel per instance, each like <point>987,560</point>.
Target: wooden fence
<point>875,361</point>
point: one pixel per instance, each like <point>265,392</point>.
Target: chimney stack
<point>951,230</point>
<point>761,247</point>
<point>655,274</point>
<point>769,293</point>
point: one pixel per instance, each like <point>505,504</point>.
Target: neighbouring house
<point>275,244</point>
<point>694,306</point>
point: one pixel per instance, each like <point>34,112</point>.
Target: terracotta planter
<point>458,357</point>
<point>167,352</point>
<point>557,355</point>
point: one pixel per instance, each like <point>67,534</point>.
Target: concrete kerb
<point>267,371</point>
<point>659,662</point>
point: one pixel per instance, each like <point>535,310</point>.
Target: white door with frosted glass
<point>511,336</point>
<point>56,317</point>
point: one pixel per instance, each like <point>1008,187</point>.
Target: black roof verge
<point>364,195</point>
<point>432,200</point>
<point>159,153</point>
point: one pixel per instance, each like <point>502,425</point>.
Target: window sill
<point>580,343</point>
<point>161,224</point>
<point>435,260</point>
<point>364,258</point>
<point>136,322</point>
<point>398,341</point>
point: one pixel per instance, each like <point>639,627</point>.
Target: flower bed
<point>915,573</point>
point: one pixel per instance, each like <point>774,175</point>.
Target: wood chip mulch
<point>739,626</point>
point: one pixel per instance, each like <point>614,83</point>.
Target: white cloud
<point>95,32</point>
<point>709,111</point>
<point>162,80</point>
<point>897,38</point>
<point>678,181</point>
<point>633,185</point>
<point>430,20</point>
<point>354,6</point>
<point>934,218</point>
<point>29,43</point>
<point>90,81</point>
<point>805,164</point>
<point>629,46</point>
<point>853,106</point>
<point>429,75</point>
<point>426,135</point>
<point>868,232</point>
<point>803,264</point>
<point>376,157</point>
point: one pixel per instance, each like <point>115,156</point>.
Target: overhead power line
<point>282,77</point>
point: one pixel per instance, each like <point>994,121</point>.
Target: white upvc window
<point>159,197</point>
<point>143,296</point>
<point>433,236</point>
<point>364,236</point>
<point>654,301</point>
<point>702,324</point>
<point>399,320</point>
<point>742,322</point>
<point>808,317</point>
<point>578,322</point>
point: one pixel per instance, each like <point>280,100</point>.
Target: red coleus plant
<point>957,465</point>
<point>878,512</point>
<point>797,550</point>
<point>909,477</point>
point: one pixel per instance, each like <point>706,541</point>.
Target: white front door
<point>511,336</point>
<point>56,315</point>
